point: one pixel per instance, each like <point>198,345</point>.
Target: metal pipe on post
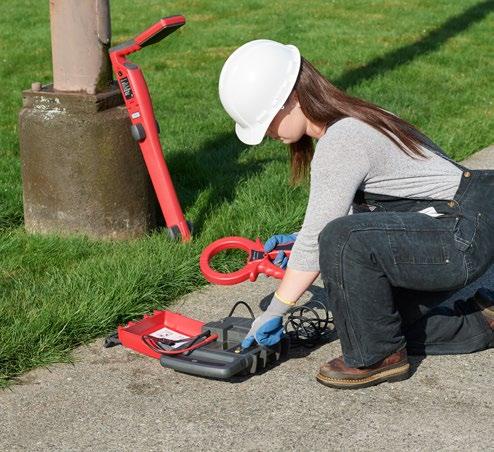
<point>82,171</point>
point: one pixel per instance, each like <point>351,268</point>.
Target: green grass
<point>57,293</point>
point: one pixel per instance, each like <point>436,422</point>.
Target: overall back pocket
<point>465,231</point>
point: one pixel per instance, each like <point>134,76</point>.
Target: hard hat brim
<point>251,135</point>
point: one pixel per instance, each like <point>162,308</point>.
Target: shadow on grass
<point>429,43</point>
<point>11,220</point>
<point>213,171</point>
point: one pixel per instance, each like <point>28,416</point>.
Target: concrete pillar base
<point>82,172</point>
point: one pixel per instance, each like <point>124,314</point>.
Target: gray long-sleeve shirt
<point>353,155</point>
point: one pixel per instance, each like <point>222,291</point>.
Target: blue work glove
<point>267,329</point>
<point>281,259</point>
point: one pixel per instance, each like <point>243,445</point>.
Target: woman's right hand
<point>281,259</point>
<point>267,329</point>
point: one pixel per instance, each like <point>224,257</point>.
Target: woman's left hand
<point>281,259</point>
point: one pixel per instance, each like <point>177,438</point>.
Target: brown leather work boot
<point>337,375</point>
<point>486,307</point>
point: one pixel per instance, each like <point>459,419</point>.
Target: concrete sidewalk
<point>114,399</point>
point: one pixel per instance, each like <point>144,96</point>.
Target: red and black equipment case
<point>144,128</point>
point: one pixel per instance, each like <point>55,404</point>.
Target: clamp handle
<point>258,261</point>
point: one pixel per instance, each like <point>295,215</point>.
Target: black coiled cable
<point>306,327</point>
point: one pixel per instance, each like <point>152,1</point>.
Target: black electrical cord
<point>112,340</point>
<point>251,312</point>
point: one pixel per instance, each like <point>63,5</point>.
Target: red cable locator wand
<point>145,128</point>
<point>258,260</point>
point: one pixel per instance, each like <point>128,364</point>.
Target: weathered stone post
<point>82,172</point>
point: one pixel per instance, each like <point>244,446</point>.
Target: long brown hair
<point>323,103</point>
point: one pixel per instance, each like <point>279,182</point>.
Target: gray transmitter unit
<point>224,358</point>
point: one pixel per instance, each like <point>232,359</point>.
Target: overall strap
<point>433,147</point>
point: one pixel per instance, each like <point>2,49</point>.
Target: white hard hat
<point>255,82</point>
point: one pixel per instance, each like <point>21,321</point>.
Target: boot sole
<point>389,375</point>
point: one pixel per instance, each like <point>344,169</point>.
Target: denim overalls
<point>390,271</point>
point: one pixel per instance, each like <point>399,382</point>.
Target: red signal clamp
<point>145,128</point>
<point>258,260</point>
